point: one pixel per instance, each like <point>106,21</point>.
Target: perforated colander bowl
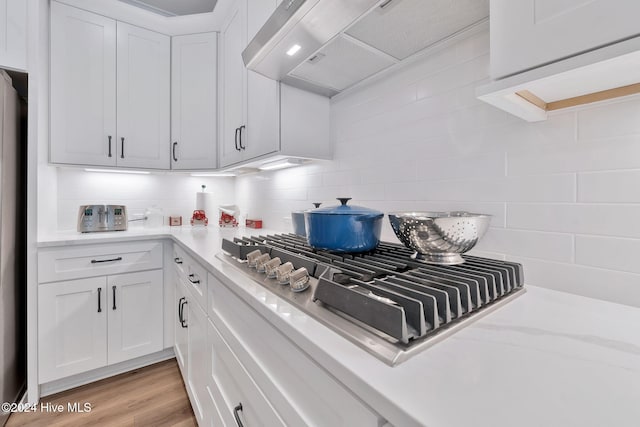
<point>439,237</point>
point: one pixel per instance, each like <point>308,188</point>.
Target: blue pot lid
<point>344,209</point>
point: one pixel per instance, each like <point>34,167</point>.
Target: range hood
<point>327,46</point>
<point>605,73</point>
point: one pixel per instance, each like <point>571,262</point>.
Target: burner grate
<point>386,292</point>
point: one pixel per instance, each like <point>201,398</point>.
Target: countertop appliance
<point>93,218</point>
<point>388,303</point>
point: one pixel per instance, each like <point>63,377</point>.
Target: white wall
<point>564,193</point>
<point>174,193</point>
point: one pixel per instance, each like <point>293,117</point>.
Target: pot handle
<point>344,200</point>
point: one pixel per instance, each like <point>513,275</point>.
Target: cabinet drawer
<point>301,391</point>
<point>192,274</point>
<point>233,390</point>
<point>55,264</point>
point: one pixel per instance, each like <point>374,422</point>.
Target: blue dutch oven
<point>343,228</point>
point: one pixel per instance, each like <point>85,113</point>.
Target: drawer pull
<point>192,279</point>
<point>114,297</point>
<point>177,260</point>
<point>97,261</point>
<point>99,306</point>
<point>236,414</point>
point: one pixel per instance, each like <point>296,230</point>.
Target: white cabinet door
<point>529,33</point>
<point>193,101</point>
<point>13,34</point>
<point>83,89</point>
<point>234,75</point>
<point>72,327</point>
<point>262,133</point>
<point>143,75</point>
<point>181,336</point>
<point>134,304</point>
<point>198,361</point>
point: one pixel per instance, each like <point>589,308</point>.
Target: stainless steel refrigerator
<point>12,280</point>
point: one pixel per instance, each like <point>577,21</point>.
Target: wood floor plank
<point>150,396</point>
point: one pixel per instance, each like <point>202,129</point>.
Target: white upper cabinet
<point>83,87</point>
<point>234,77</point>
<point>253,122</point>
<point>13,34</point>
<point>143,80</point>
<point>88,86</point>
<point>530,33</point>
<point>193,101</point>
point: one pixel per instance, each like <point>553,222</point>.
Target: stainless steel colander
<point>439,237</point>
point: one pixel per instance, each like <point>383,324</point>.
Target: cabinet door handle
<point>236,138</point>
<point>122,148</point>
<point>192,279</point>
<point>177,260</point>
<point>99,305</point>
<point>183,321</point>
<point>180,310</point>
<point>109,145</point>
<point>173,151</point>
<point>236,414</point>
<point>114,297</point>
<point>98,261</point>
<point>241,146</point>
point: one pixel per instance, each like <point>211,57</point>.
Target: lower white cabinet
<point>93,322</point>
<point>235,394</point>
<point>72,327</point>
<point>191,332</point>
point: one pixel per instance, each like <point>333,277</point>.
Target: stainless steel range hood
<point>326,46</point>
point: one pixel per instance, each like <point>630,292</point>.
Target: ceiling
<point>173,7</point>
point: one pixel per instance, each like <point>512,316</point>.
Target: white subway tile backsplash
<point>598,219</point>
<point>483,166</point>
<point>610,253</point>
<point>609,285</point>
<point>532,244</point>
<point>614,119</point>
<point>609,187</point>
<point>582,157</point>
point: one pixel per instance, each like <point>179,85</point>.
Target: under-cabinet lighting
<point>213,174</point>
<point>280,164</point>
<point>293,49</point>
<point>118,171</point>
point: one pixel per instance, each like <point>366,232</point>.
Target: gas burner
<point>385,301</point>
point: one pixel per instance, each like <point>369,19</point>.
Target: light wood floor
<point>150,396</point>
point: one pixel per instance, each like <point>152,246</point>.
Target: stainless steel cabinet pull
<point>236,138</point>
<point>99,306</point>
<point>109,146</point>
<point>180,310</point>
<point>173,152</point>
<point>122,148</point>
<point>241,146</point>
<point>192,279</point>
<point>177,260</point>
<point>236,414</point>
<point>183,321</point>
<point>114,297</point>
<point>97,261</point>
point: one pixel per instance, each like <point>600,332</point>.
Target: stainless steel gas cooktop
<point>386,302</point>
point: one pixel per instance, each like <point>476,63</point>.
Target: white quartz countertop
<point>544,359</point>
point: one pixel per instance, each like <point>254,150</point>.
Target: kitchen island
<point>544,359</point>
